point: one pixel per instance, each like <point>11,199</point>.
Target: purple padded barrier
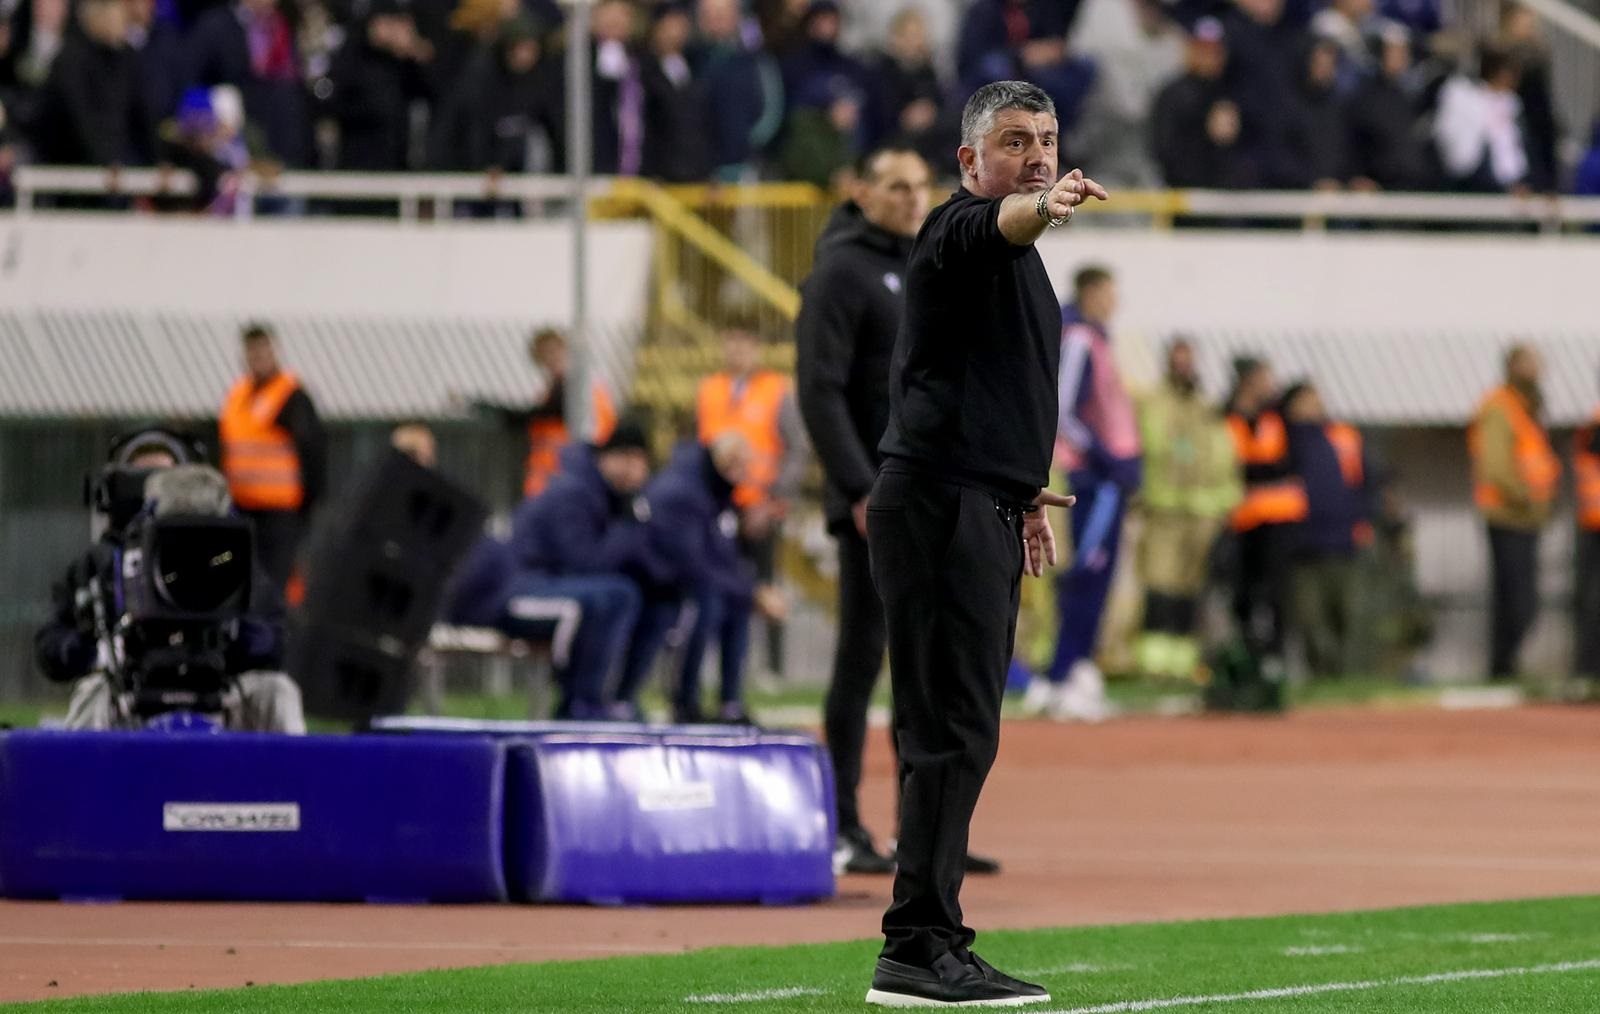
<point>669,816</point>
<point>251,817</point>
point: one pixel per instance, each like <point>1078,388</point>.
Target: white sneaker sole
<point>882,998</point>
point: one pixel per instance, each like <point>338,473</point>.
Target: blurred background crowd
<point>1271,94</point>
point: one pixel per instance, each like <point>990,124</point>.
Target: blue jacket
<point>1340,504</point>
<point>477,592</point>
<point>694,526</point>
<point>578,526</point>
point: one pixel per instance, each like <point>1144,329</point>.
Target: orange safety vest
<point>548,434</point>
<point>1282,501</point>
<point>1346,441</point>
<point>751,410</point>
<point>258,455</point>
<point>1586,465</point>
<point>1537,463</point>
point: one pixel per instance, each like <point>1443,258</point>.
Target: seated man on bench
<point>571,573</point>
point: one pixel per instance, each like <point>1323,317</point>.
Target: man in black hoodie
<point>849,316</point>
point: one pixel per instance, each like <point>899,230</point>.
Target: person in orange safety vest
<point>1586,469</point>
<point>274,453</point>
<point>758,404</point>
<point>1515,475</point>
<point>1264,522</point>
<point>545,421</point>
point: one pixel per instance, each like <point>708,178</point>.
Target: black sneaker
<point>854,853</point>
<point>1000,978</point>
<point>950,982</point>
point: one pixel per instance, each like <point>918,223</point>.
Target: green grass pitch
<point>1516,958</point>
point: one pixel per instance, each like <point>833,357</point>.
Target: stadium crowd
<point>1364,94</point>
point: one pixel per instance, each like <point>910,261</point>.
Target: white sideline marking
<point>1332,987</point>
<point>331,945</point>
<point>1499,938</point>
<point>1075,968</point>
<point>757,996</point>
<point>1317,952</point>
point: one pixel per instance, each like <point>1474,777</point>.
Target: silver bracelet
<point>1042,208</point>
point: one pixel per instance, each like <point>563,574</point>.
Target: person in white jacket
<point>1477,129</point>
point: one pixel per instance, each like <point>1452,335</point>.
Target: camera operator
<point>153,482</point>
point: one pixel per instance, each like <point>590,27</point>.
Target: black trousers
<point>1586,604</point>
<point>857,660</point>
<point>1261,592</point>
<point>278,538</point>
<point>1514,595</point>
<point>947,561</point>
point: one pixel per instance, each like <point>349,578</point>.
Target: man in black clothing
<point>849,315</point>
<point>1195,123</point>
<point>1319,132</point>
<point>955,516</point>
<point>1387,148</point>
<point>376,77</point>
<point>93,110</point>
<point>677,119</point>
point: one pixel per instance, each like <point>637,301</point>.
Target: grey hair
<point>977,119</point>
<point>189,489</point>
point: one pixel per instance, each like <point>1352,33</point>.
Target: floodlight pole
<point>580,119</point>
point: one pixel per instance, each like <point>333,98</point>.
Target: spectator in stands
<point>35,34</point>
<point>274,453</point>
<point>1026,40</point>
<point>502,102</point>
<point>1136,49</point>
<point>207,137</point>
<point>249,45</point>
<point>694,527</point>
<point>816,72</point>
<point>546,419</point>
<point>1191,483</point>
<point>1197,125</point>
<point>1330,575</point>
<point>758,404</point>
<point>1265,65</point>
<point>1477,127</point>
<point>1264,522</point>
<point>66,647</point>
<point>748,111</point>
<point>1388,149</point>
<point>618,91</point>
<point>1097,445</point>
<point>1520,37</point>
<point>416,441</point>
<point>1349,25</point>
<point>910,96</point>
<point>581,548</point>
<point>1319,131</point>
<point>157,51</point>
<point>1586,591</point>
<point>831,117</point>
<point>376,76</point>
<point>1515,476</point>
<point>472,28</point>
<point>677,104</point>
<point>92,111</point>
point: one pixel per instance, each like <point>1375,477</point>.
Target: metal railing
<point>795,213</point>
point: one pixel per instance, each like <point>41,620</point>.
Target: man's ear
<point>968,157</point>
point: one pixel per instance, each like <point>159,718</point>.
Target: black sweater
<point>849,316</point>
<point>972,389</point>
